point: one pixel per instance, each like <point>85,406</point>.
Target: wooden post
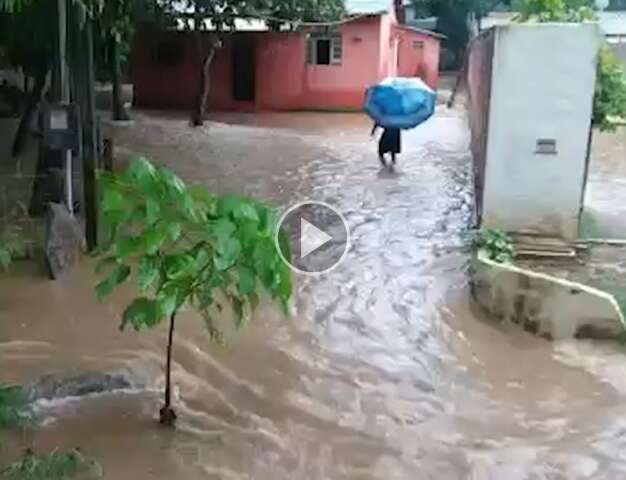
<point>84,86</point>
<point>90,152</point>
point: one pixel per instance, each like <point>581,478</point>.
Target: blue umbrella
<point>400,102</point>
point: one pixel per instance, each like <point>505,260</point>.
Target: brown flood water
<point>384,370</point>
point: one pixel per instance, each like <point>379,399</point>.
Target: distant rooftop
<point>360,7</point>
<point>611,22</point>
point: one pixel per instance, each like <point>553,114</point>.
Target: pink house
<point>319,68</point>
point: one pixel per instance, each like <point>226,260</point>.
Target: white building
<point>530,116</point>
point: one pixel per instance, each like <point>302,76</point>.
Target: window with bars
<point>323,49</point>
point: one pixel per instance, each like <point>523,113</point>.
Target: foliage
<point>184,245</point>
<point>27,36</point>
<point>56,465</point>
<point>609,102</point>
<point>542,11</point>
<point>14,409</point>
<point>497,244</point>
<point>222,13</point>
<point>10,245</point>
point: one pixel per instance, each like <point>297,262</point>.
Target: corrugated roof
<point>362,7</point>
<point>613,23</point>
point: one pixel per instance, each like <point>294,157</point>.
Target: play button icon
<point>319,237</point>
<point>311,238</point>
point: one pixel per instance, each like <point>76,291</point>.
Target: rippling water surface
<point>384,371</point>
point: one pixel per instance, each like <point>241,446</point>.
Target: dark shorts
<point>389,141</point>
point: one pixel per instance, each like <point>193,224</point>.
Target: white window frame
<point>336,48</point>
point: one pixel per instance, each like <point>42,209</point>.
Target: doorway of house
<point>243,69</point>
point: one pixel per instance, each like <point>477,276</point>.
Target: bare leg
<point>381,158</point>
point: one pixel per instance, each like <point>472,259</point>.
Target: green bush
<point>56,465</point>
<point>609,102</point>
<point>10,244</point>
<point>14,409</point>
<point>497,244</point>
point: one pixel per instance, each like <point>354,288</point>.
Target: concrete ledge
<point>548,306</point>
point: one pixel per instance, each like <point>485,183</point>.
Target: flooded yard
<point>385,370</point>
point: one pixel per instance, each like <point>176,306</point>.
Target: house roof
<point>421,30</point>
<point>611,22</point>
<point>367,7</point>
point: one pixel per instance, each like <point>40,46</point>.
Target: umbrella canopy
<point>400,102</point>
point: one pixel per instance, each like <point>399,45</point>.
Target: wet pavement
<point>384,370</point>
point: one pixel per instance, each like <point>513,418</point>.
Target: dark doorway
<point>323,51</point>
<point>243,69</point>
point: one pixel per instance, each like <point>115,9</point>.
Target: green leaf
<point>112,200</point>
<point>168,301</point>
<point>153,209</point>
<point>148,272</point>
<point>173,230</point>
<point>240,208</point>
<point>228,251</point>
<point>223,228</point>
<point>142,312</point>
<point>140,172</point>
<point>261,258</point>
<point>128,246</point>
<point>115,278</point>
<point>153,238</point>
<point>246,281</point>
<point>179,266</point>
<point>14,408</point>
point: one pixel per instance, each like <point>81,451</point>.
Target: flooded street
<point>385,370</point>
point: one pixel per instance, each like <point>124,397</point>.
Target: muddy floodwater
<point>384,370</point>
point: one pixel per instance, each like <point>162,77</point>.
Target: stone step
<point>533,246</point>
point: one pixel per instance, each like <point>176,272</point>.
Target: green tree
<point>186,246</point>
<point>609,101</point>
<point>27,40</point>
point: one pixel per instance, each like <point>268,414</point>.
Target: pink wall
<point>161,86</point>
<point>418,62</point>
<point>343,86</point>
<point>372,48</point>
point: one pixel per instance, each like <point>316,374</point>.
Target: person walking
<point>389,143</point>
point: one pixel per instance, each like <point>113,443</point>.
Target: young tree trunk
<point>204,88</point>
<point>117,102</point>
<point>167,415</point>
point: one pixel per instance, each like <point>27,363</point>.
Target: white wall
<point>542,88</point>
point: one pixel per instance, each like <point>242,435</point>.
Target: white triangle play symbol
<point>311,237</point>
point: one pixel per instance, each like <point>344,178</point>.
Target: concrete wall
<point>544,305</point>
<point>542,88</point>
<point>371,50</point>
